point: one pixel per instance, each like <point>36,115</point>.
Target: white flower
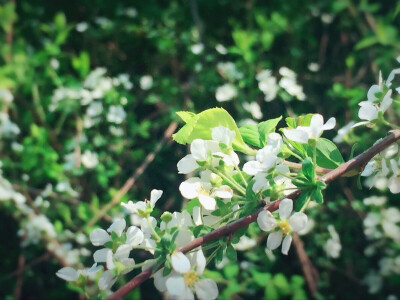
<point>99,237</point>
<point>89,159</point>
<point>200,151</point>
<point>70,274</point>
<point>266,157</point>
<point>375,200</point>
<point>197,48</point>
<point>223,135</point>
<point>225,92</point>
<point>245,243</point>
<point>135,208</point>
<point>287,224</point>
<point>82,27</point>
<point>301,134</point>
<point>185,281</point>
<point>267,84</point>
<point>313,67</point>
<point>289,83</point>
<point>342,132</point>
<point>201,188</point>
<point>6,96</point>
<point>221,49</point>
<point>94,109</point>
<point>229,71</point>
<point>146,82</point>
<point>116,114</point>
<point>333,245</point>
<point>254,109</point>
<point>369,109</point>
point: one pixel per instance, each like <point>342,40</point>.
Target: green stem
<point>234,184</point>
<point>390,124</point>
<point>152,228</point>
<point>143,263</point>
<point>241,175</point>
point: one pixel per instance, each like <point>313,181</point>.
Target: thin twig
<point>131,180</point>
<point>20,278</point>
<point>357,163</point>
<point>310,272</point>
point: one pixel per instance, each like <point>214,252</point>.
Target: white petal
<point>206,289</point>
<point>184,237</point>
<point>394,185</point>
<point>274,240</point>
<point>154,196</point>
<point>391,77</point>
<point>189,188</point>
<point>197,215</point>
<point>287,241</point>
<point>130,207</point>
<point>68,274</point>
<point>367,111</point>
<point>296,135</point>
<point>386,101</point>
<point>100,256</point>
<point>106,280</point>
<point>285,208</point>
<point>223,135</point>
<point>266,221</point>
<point>372,91</point>
<point>180,263</point>
<point>99,237</point>
<point>160,280</point>
<point>252,167</point>
<point>369,168</point>
<point>198,259</point>
<point>359,124</point>
<point>188,294</point>
<point>316,125</point>
<point>330,124</point>
<point>118,226</point>
<point>207,202</point>
<point>110,260</point>
<point>187,164</point>
<point>145,225</point>
<point>134,236</point>
<point>198,148</point>
<point>298,221</point>
<point>175,285</point>
<point>224,192</point>
<point>122,252</point>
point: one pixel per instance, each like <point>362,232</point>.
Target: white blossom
<point>146,82</point>
<point>226,92</point>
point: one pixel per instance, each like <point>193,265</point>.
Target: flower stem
<point>234,184</point>
<point>152,228</point>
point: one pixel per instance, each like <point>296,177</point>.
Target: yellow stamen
<point>190,278</point>
<point>284,226</point>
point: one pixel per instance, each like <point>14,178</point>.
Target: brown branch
<point>356,163</point>
<point>20,277</point>
<point>310,273</point>
<point>131,180</point>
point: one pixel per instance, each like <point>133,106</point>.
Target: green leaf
<point>190,205</point>
<point>250,135</point>
<point>261,279</point>
<point>200,126</point>
<point>307,168</point>
<point>231,253</point>
<point>366,42</point>
<point>316,196</point>
<point>328,155</point>
<point>231,270</point>
<point>186,116</point>
<point>282,284</point>
<point>301,200</point>
<point>266,127</point>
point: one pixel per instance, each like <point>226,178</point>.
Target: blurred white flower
<point>229,71</point>
<point>82,26</point>
<point>333,245</point>
<point>327,18</point>
<point>146,82</point>
<point>267,84</point>
<point>313,67</point>
<point>254,109</point>
<point>289,83</point>
<point>6,96</point>
<point>94,109</point>
<point>54,63</point>
<point>342,132</point>
<point>221,49</point>
<point>116,114</point>
<point>89,159</point>
<point>197,48</point>
<point>225,92</point>
<point>245,243</point>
